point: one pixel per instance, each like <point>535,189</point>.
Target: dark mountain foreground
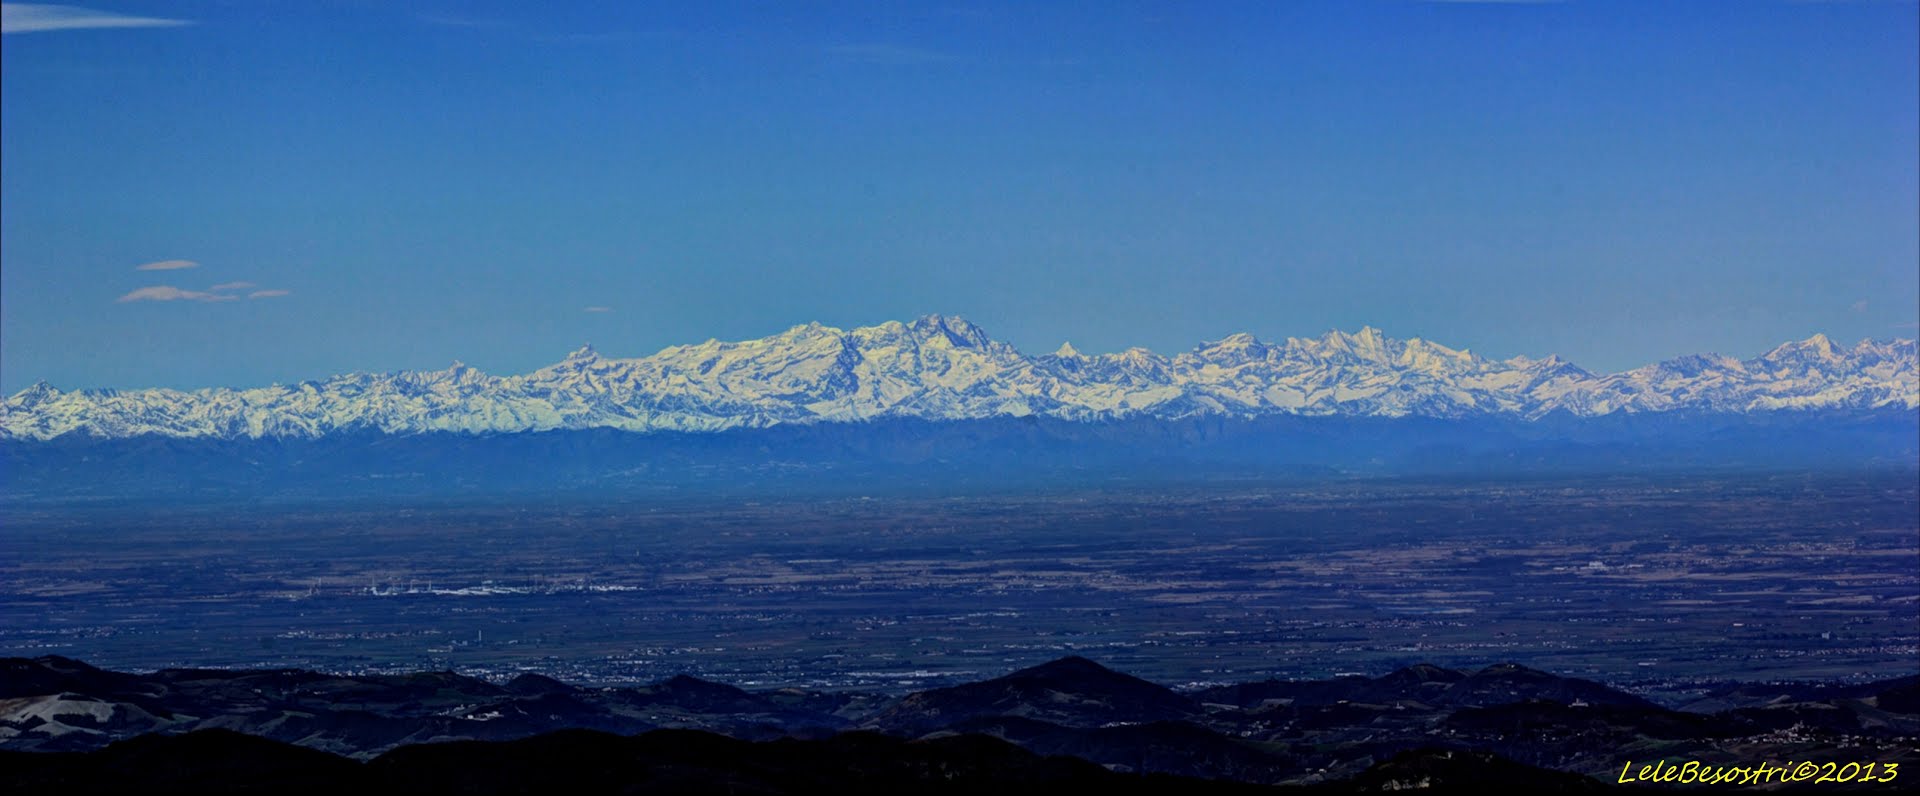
<point>584,761</point>
<point>1071,723</point>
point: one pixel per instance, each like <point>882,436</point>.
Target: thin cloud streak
<point>598,309</point>
<point>167,265</point>
<point>170,293</point>
<point>447,21</point>
<point>225,291</point>
<point>891,54</point>
<point>36,18</point>
<point>609,37</point>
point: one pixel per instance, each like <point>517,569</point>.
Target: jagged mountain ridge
<point>946,368</point>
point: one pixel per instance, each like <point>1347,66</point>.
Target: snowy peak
<point>1548,367</point>
<point>953,331</point>
<point>1815,353</point>
<point>1428,357</point>
<point>812,331</point>
<point>1233,350</point>
<point>1237,341</point>
<point>1695,365</point>
<point>33,396</point>
<point>457,373</point>
<point>1367,345</point>
<point>1137,360</point>
<point>942,367</point>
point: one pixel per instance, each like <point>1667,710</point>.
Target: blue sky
<point>371,187</point>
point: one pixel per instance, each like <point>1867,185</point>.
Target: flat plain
<point>1665,584</point>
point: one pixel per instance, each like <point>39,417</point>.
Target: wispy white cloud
<point>170,293</point>
<point>34,18</point>
<point>598,309</point>
<point>167,265</point>
<point>225,291</point>
<point>891,54</point>
<point>610,37</point>
<point>1860,306</point>
<point>453,21</point>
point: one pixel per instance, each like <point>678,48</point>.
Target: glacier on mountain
<point>945,368</point>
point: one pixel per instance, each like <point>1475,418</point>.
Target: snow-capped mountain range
<point>945,368</point>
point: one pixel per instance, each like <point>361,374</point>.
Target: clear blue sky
<point>1613,182</point>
